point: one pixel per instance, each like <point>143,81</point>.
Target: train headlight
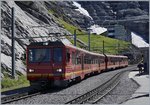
<point>45,43</point>
<point>31,70</point>
<point>59,70</point>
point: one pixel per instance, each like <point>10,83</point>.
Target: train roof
<point>47,43</point>
<point>120,56</point>
<point>92,53</point>
<point>59,43</point>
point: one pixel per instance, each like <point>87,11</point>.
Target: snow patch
<point>66,42</point>
<point>94,28</point>
<point>138,41</point>
<point>97,29</point>
<point>82,10</point>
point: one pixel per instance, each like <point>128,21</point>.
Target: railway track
<point>90,97</point>
<point>15,97</point>
<point>95,95</point>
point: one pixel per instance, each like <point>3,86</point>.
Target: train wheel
<point>78,79</point>
<point>35,85</point>
<point>60,83</point>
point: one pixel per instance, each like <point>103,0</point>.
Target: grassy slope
<point>9,84</point>
<point>111,45</point>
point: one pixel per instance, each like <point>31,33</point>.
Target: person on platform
<point>141,67</point>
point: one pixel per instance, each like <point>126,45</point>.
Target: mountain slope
<point>134,14</point>
<point>27,25</point>
<point>40,18</point>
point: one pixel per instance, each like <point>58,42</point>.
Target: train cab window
<point>57,55</point>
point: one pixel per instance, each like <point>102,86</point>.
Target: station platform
<point>141,95</point>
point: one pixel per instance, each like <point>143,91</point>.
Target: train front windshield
<point>39,55</point>
<point>45,56</point>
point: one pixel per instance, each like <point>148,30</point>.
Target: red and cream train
<point>57,64</point>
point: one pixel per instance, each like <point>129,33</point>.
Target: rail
<point>20,96</point>
<point>98,93</point>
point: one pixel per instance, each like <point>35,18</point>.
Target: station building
<point>119,32</point>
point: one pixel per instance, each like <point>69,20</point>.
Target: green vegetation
<point>112,46</point>
<point>69,27</point>
<point>51,12</point>
<point>7,83</point>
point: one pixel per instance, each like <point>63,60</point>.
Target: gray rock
<point>110,10</point>
<point>131,13</point>
<point>31,19</point>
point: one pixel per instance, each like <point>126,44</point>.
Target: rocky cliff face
<point>134,14</point>
<point>29,19</point>
<point>33,19</point>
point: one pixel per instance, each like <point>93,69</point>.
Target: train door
<point>99,61</point>
<point>70,63</point>
<point>68,57</point>
<point>119,61</point>
<point>58,60</point>
<point>82,65</point>
<point>82,62</point>
<point>106,62</point>
<point>73,58</point>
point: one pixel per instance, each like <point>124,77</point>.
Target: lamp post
<point>75,36</point>
<point>118,47</point>
<point>89,40</point>
<point>103,47</point>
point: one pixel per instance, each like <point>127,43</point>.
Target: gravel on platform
<point>61,96</point>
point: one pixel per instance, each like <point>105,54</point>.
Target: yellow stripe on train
<point>51,75</point>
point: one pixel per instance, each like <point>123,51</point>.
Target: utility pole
<point>89,40</point>
<point>118,47</point>
<point>13,42</point>
<point>103,47</point>
<point>75,38</point>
